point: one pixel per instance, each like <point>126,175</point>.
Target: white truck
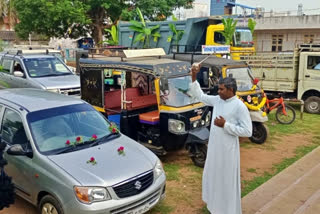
<point>294,74</point>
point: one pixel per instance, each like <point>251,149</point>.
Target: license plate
<point>139,210</point>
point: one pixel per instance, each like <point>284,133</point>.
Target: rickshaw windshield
<point>243,77</point>
<point>177,93</point>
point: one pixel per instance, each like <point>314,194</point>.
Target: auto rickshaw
<point>214,68</point>
<point>147,97</point>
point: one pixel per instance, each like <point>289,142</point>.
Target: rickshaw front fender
<point>200,136</point>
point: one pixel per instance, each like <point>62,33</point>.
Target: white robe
<point>221,186</point>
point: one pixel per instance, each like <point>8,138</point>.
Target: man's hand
<point>219,121</point>
<point>194,70</point>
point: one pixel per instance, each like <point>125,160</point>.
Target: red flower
<point>114,130</point>
<point>94,136</point>
<point>78,139</point>
<point>120,149</point>
<point>92,159</point>
<point>68,142</point>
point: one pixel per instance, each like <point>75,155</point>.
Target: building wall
<point>217,6</point>
<point>291,38</point>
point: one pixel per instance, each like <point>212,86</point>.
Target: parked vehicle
<point>25,70</point>
<point>65,157</point>
<point>148,97</point>
<point>252,95</point>
<point>197,32</point>
<point>294,74</point>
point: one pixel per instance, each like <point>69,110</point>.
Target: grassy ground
<point>184,179</point>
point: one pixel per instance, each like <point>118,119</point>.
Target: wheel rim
<point>286,118</point>
<point>48,209</point>
<point>314,106</point>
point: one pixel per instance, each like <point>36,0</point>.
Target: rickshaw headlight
<point>176,126</point>
<point>208,117</point>
<point>202,122</point>
<point>158,169</point>
<point>195,124</point>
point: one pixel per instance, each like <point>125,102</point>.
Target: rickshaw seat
<point>151,117</point>
<point>141,101</point>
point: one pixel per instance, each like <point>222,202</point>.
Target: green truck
<point>294,74</point>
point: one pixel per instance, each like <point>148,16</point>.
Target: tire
<point>312,105</point>
<point>259,133</point>
<point>283,119</point>
<point>50,205</point>
<point>199,158</point>
<point>7,194</point>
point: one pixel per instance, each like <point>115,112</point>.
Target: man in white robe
<point>221,186</point>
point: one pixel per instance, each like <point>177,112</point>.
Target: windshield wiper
<point>105,138</point>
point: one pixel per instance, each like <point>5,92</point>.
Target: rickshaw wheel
<point>199,158</point>
<point>259,133</point>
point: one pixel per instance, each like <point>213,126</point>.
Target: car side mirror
<point>18,150</point>
<point>18,74</point>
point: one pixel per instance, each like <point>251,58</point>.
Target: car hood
<point>61,82</point>
<point>111,168</point>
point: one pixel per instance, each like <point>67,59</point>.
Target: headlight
<point>208,117</point>
<point>195,124</point>
<point>55,90</point>
<point>176,126</point>
<point>158,170</point>
<point>91,194</point>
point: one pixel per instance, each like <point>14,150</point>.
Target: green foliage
<point>229,29</point>
<point>144,33</point>
<point>176,34</point>
<point>251,25</point>
<point>114,35</point>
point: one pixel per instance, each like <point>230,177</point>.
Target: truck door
<point>309,73</point>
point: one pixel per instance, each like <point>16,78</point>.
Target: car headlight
<point>208,117</point>
<point>158,169</point>
<point>55,90</point>
<point>91,194</point>
<point>176,126</point>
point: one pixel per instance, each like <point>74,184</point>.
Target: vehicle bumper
<point>143,202</point>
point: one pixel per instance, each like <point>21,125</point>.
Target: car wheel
<point>50,205</point>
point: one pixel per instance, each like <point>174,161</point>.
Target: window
<point>6,65</point>
<point>313,62</point>
<point>219,38</point>
<point>308,38</point>
<point>277,41</point>
<point>17,66</point>
<point>12,128</point>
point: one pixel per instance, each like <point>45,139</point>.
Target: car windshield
<point>53,128</point>
<point>243,77</point>
<point>42,67</point>
<point>243,38</point>
<point>177,93</point>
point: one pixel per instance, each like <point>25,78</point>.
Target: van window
<point>313,62</point>
<point>7,65</point>
<point>12,131</point>
<point>219,38</point>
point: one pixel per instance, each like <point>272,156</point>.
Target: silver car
<point>38,71</point>
<point>65,157</point>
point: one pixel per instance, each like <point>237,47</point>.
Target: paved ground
<point>296,190</point>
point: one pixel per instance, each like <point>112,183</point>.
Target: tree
<point>114,35</point>
<point>144,32</point>
<point>251,25</point>
<point>7,10</point>
<point>176,34</point>
<point>78,17</point>
<point>229,29</point>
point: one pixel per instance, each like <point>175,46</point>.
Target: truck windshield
<point>243,77</point>
<point>42,67</point>
<point>243,38</point>
<point>57,128</point>
<point>177,93</point>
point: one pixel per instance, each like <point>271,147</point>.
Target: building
<point>284,33</point>
<point>220,7</point>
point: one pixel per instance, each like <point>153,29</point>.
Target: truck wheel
<point>312,105</point>
<point>259,133</point>
<point>199,158</point>
<point>50,205</point>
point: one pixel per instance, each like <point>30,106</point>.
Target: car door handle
<point>307,75</point>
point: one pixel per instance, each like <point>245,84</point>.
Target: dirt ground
<point>184,194</point>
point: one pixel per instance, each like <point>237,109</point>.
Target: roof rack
<point>26,51</point>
